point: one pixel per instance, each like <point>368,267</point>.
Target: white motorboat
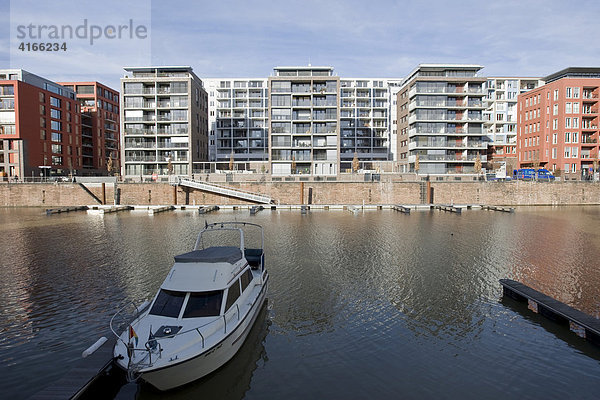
<point>201,314</point>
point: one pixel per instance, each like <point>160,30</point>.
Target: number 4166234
<point>43,46</point>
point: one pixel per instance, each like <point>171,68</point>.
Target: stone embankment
<point>389,192</point>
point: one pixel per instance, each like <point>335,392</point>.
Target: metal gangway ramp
<point>218,189</point>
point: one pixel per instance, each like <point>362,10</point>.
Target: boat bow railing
<point>153,346</point>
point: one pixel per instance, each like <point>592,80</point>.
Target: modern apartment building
<point>367,121</point>
<point>164,121</point>
<point>500,117</point>
<point>301,120</point>
<point>40,127</point>
<point>558,123</point>
<point>304,121</point>
<point>238,121</point>
<point>440,120</point>
<point>100,126</point>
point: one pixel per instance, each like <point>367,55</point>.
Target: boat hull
<point>209,360</point>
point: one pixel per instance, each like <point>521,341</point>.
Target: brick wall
<point>510,193</point>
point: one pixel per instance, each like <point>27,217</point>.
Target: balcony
<point>140,158</point>
<point>449,158</point>
<point>140,145</point>
<point>140,132</point>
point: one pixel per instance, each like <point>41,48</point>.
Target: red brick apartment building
<point>99,126</point>
<point>558,124</point>
<point>40,127</point>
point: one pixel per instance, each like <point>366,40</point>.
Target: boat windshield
<point>168,303</point>
<point>204,304</point>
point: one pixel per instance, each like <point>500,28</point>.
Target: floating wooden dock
<point>75,383</point>
<point>497,208</point>
<point>452,209</point>
<point>353,209</point>
<point>255,209</point>
<point>304,209</point>
<point>582,324</point>
<point>156,210</point>
<point>207,209</point>
<point>51,211</point>
<point>107,209</point>
<point>402,209</point>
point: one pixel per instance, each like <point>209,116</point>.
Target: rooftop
<point>574,72</point>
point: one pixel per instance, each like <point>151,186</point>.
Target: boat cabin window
<point>204,304</point>
<point>246,279</point>
<point>168,303</point>
<point>232,294</point>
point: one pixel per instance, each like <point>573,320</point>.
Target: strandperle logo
<point>89,32</point>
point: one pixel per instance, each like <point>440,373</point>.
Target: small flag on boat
<point>151,340</point>
<point>132,334</point>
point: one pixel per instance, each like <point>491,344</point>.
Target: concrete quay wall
<point>496,193</point>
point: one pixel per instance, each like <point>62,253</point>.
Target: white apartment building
<point>237,120</point>
<point>301,120</point>
<point>164,112</point>
<point>500,115</point>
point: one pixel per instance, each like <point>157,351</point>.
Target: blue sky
<point>359,38</point>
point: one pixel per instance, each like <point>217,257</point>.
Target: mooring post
<point>175,195</point>
<point>429,196</point>
<point>301,192</point>
<point>103,193</point>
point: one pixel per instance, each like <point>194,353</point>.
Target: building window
<point>555,109</point>
<point>554,152</point>
<point>555,94</point>
<point>573,168</point>
<point>56,114</point>
<point>54,102</point>
<point>575,108</point>
<point>567,137</point>
<point>568,108</point>
<point>568,93</point>
<point>575,92</point>
<point>568,123</point>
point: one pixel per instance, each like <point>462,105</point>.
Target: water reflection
<point>375,304</point>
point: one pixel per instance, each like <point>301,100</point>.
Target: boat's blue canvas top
<point>228,254</point>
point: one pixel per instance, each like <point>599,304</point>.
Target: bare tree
<point>109,165</point>
<point>355,163</point>
<point>417,164</point>
<point>477,165</point>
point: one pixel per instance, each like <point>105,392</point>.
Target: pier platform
<point>498,208</point>
<point>584,325</point>
<point>85,372</point>
<point>51,211</point>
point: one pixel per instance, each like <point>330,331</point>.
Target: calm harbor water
<point>372,305</point>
